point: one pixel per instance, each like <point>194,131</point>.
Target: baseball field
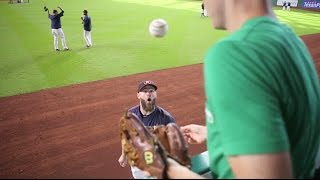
<point>59,111</point>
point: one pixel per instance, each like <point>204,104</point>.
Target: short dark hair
<point>55,11</point>
<point>85,11</point>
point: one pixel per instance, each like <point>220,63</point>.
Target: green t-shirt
<point>263,96</point>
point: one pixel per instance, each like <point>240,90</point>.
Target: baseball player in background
<point>203,11</point>
<point>86,21</point>
<point>56,29</point>
<point>288,6</point>
<point>284,5</point>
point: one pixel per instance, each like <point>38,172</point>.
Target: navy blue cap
<point>147,83</point>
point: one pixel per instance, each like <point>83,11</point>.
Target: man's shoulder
<point>134,109</point>
<point>256,31</point>
<point>229,51</point>
<point>222,46</point>
<point>61,13</point>
<point>163,111</point>
<point>167,117</point>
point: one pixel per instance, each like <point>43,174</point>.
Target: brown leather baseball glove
<point>149,147</point>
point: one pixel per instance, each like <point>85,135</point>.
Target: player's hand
<point>194,134</point>
<point>81,18</point>
<point>123,160</point>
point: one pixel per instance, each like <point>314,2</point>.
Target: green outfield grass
<point>121,41</point>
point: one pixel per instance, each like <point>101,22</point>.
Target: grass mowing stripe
<point>122,44</point>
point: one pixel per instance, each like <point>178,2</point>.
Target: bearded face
<point>147,97</point>
<point>148,105</point>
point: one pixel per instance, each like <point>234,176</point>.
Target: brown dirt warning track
<point>72,132</point>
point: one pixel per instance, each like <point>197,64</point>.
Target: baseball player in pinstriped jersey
<point>56,29</point>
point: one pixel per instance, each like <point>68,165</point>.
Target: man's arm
<point>82,20</point>
<point>85,20</point>
<point>48,13</point>
<point>61,9</point>
<point>266,166</point>
<point>123,142</point>
<point>123,157</point>
<point>176,171</point>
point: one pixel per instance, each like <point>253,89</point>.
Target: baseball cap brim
<point>147,83</point>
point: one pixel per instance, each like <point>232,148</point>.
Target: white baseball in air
<point>158,28</point>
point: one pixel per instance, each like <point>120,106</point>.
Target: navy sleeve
<point>135,110</point>
<point>61,13</point>
<point>171,119</point>
<point>168,117</point>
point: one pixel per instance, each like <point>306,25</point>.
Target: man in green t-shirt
<point>262,97</point>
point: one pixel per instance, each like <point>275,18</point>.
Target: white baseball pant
<point>56,34</point>
<point>87,37</point>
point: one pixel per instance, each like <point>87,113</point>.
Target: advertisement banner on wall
<point>294,3</point>
<point>311,4</point>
